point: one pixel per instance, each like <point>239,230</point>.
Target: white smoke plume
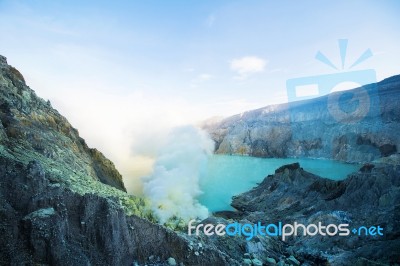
<point>173,185</point>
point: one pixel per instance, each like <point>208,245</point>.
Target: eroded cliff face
<point>62,203</point>
<point>31,129</point>
<point>308,128</point>
<point>43,222</point>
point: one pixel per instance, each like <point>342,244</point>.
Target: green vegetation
<point>79,182</point>
<point>37,132</point>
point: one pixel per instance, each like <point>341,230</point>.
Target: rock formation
<point>31,129</point>
<point>62,203</point>
<point>369,197</point>
<point>313,128</point>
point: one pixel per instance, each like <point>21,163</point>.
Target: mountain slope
<point>31,128</point>
<point>62,203</point>
<point>311,129</point>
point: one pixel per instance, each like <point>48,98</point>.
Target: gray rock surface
<point>46,224</point>
<point>32,130</point>
<point>171,261</point>
<point>270,261</point>
<point>370,197</point>
<point>311,128</point>
<point>62,203</point>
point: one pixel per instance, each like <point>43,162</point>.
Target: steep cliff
<point>62,203</point>
<point>43,222</point>
<point>31,129</point>
<point>359,125</point>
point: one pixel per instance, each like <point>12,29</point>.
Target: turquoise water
<point>227,175</point>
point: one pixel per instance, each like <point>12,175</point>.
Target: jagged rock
<point>62,203</point>
<point>54,210</point>
<point>367,167</point>
<point>393,159</point>
<point>293,166</point>
<point>365,198</point>
<point>3,60</point>
<point>256,262</point>
<point>270,261</point>
<point>281,263</point>
<point>254,247</point>
<point>308,129</point>
<point>247,262</point>
<point>47,224</point>
<point>32,130</point>
<point>171,262</point>
<point>293,261</point>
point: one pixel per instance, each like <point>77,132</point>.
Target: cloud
<point>248,65</point>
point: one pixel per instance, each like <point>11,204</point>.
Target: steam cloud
<point>174,184</point>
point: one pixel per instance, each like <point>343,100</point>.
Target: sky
<point>125,72</point>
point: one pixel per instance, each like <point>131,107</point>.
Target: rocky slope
<point>43,222</point>
<point>31,128</point>
<point>370,197</point>
<point>62,203</point>
<point>337,126</point>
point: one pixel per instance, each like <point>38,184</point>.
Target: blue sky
<point>185,48</point>
<point>121,69</point>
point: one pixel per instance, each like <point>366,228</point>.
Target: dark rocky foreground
<point>47,224</point>
<point>317,127</point>
<point>370,197</point>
